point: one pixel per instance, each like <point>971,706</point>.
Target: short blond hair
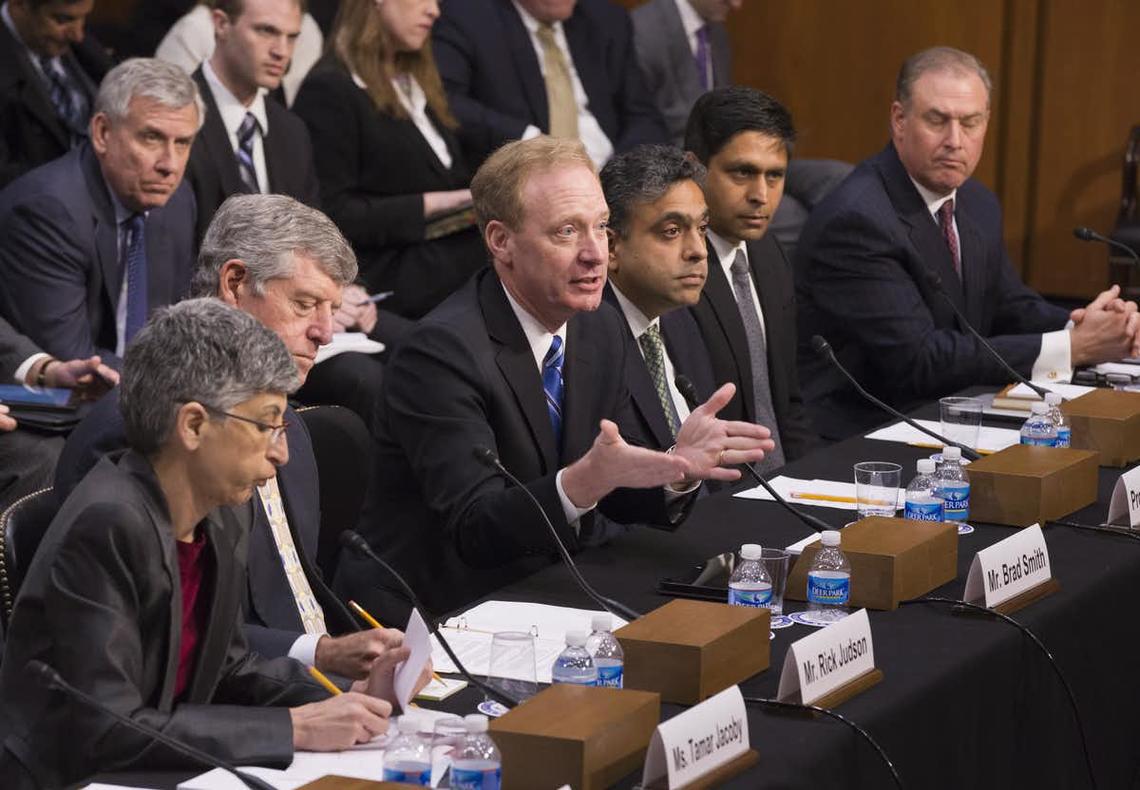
<point>496,189</point>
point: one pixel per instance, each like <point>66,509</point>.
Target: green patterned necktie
<point>654,352</point>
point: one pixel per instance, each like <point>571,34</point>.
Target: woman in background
<point>391,172</point>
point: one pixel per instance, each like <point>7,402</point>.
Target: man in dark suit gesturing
<point>747,311</point>
<point>525,361</point>
<point>566,68</point>
<point>93,241</point>
<point>248,143</point>
<point>867,256</point>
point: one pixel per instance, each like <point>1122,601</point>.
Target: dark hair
<point>233,8</point>
<point>642,175</point>
<point>723,113</point>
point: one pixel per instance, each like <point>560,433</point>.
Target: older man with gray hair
<point>92,242</point>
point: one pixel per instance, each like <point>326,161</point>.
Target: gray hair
<point>199,350</point>
<point>642,175</point>
<point>264,232</point>
<point>938,59</point>
<point>154,79</point>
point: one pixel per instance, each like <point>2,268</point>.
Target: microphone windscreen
<point>1085,234</point>
<point>820,346</point>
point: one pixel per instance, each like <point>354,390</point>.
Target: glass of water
<point>512,668</point>
<point>776,563</point>
<point>877,488</point>
<point>961,419</point>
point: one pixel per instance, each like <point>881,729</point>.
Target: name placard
<point>698,741</point>
<point>1009,568</point>
<point>1125,502</point>
<point>828,659</point>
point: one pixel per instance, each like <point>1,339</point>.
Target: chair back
<point>22,527</point>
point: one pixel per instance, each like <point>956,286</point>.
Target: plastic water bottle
<point>1039,430</point>
<point>829,580</point>
<point>574,664</point>
<point>952,487</point>
<point>408,758</point>
<point>750,584</point>
<point>476,763</point>
<point>606,651</point>
<point>1060,422</point>
<point>922,501</point>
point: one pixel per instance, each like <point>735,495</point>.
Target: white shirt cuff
<point>304,649</point>
<point>531,131</point>
<point>21,375</point>
<point>1055,362</point>
<point>571,511</point>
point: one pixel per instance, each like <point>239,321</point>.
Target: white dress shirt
<point>415,102</point>
<point>639,324</point>
<point>597,144</point>
<point>691,21</point>
<point>1055,360</point>
<point>233,112</point>
<point>726,252</point>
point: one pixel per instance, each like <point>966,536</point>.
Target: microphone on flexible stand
<point>354,542</point>
<point>488,457</point>
<point>823,348</point>
<point>1088,234</point>
<point>47,676</point>
<point>689,392</point>
<point>936,283</point>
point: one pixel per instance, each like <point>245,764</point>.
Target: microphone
<point>823,348</point>
<point>1088,234</point>
<point>487,456</point>
<point>689,392</point>
<point>936,283</point>
<point>46,676</point>
<point>354,542</point>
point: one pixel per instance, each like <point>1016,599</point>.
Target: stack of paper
<point>990,440</point>
<point>820,493</point>
<point>1017,397</point>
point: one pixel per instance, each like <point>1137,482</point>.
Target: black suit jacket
<point>14,349</point>
<point>464,378</point>
<point>272,622</point>
<point>686,351</point>
<point>31,134</point>
<point>494,81</point>
<point>373,170</point>
<point>213,169</point>
<point>102,604</point>
<point>59,256</point>
<point>718,317</point>
<point>861,282</point>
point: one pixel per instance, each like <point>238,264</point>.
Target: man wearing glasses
<point>286,265</point>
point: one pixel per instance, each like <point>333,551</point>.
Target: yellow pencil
<point>372,621</point>
<point>823,497</point>
<point>932,446</point>
<point>324,681</point>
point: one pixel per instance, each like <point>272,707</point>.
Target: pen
<point>380,297</point>
<point>324,681</point>
<point>372,621</point>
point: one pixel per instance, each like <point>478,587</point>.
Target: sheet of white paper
<point>474,650</point>
<point>417,639</point>
<point>101,786</point>
<point>1124,368</point>
<point>989,439</point>
<point>348,341</point>
<point>1067,391</point>
<point>797,548</point>
<point>218,779</point>
<point>802,492</point>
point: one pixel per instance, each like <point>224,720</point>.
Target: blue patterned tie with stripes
<point>552,386</point>
<point>136,275</point>
<point>245,154</point>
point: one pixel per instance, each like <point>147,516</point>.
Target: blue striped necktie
<point>246,168</point>
<point>69,103</point>
<point>137,306</point>
<point>552,385</point>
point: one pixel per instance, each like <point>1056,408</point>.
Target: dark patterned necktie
<point>135,267</point>
<point>552,385</point>
<point>248,172</point>
<point>703,58</point>
<point>69,103</point>
<point>654,351</point>
<point>946,221</point>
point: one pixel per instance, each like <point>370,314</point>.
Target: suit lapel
<point>106,226</point>
<point>589,64</point>
<point>527,66</point>
<point>33,92</point>
<point>222,528</point>
<point>680,56</point>
<point>718,294</point>
<point>763,257</point>
<point>641,388</point>
<point>216,140</point>
<point>722,66</point>
<point>578,375</point>
<point>973,275</point>
<point>515,361</point>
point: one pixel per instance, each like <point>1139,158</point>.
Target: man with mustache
<point>92,242</point>
<point>865,260</point>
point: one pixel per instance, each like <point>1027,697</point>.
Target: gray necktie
<point>758,355</point>
<point>654,352</point>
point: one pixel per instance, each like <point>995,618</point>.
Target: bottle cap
<point>601,622</point>
<point>751,551</point>
<point>408,723</point>
<point>476,722</point>
<point>1037,407</point>
<point>925,466</point>
<point>951,453</point>
<point>576,638</point>
<point>1053,398</point>
<point>829,537</point>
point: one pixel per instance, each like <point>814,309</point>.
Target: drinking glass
<point>961,419</point>
<point>511,668</point>
<point>877,488</point>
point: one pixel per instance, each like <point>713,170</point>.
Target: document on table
<point>819,493</point>
<point>348,341</point>
<point>990,440</point>
<point>470,635</point>
<point>1066,391</point>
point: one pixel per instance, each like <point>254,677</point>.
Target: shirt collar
<point>537,337</point>
<point>530,23</point>
<point>233,111</point>
<point>690,19</point>
<point>933,202</point>
<point>639,322</point>
<point>726,252</point>
<point>416,102</point>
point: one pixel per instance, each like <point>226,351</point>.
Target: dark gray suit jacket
<point>14,349</point>
<point>102,604</point>
<point>668,65</point>
<point>59,256</point>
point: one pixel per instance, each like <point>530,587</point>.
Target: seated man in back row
<point>523,361</point>
<point>908,234</point>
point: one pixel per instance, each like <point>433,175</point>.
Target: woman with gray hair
<point>133,595</point>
